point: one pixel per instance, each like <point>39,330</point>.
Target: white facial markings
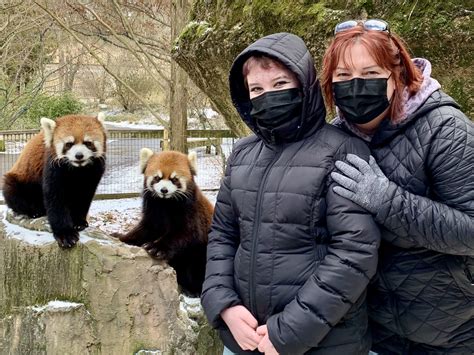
<point>99,148</point>
<point>79,155</point>
<point>183,184</point>
<point>59,146</point>
<point>149,180</point>
<point>166,187</point>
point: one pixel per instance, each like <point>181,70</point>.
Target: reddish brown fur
<point>172,161</point>
<point>29,165</point>
<point>38,184</point>
<point>175,229</point>
<point>167,162</point>
<point>90,126</point>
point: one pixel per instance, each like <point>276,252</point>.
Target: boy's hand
<point>242,325</point>
<point>265,346</point>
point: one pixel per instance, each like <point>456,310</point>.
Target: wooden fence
<point>122,177</point>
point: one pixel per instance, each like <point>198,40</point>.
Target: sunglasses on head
<point>369,25</point>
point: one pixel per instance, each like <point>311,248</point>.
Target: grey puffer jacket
<point>282,243</point>
<point>422,300</point>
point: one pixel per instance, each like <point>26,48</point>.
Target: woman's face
<point>360,64</point>
<point>261,80</point>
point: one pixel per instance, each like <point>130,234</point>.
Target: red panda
<point>57,174</point>
<point>176,216</point>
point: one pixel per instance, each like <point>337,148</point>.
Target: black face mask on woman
<point>361,100</point>
<point>277,114</point>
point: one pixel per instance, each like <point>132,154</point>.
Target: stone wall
<point>101,297</point>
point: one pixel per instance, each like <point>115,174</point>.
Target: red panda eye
<point>68,145</point>
<point>89,145</point>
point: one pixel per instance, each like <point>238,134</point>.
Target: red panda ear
<point>192,157</point>
<point>48,126</point>
<point>145,155</point>
<point>101,118</point>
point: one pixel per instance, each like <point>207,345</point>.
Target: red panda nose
<point>164,190</point>
<point>79,156</point>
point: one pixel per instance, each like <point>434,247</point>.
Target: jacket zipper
<point>253,254</point>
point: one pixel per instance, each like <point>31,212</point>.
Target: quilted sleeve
<point>338,281</point>
<point>218,289</point>
<point>446,222</point>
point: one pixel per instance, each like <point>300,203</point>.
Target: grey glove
<point>363,183</point>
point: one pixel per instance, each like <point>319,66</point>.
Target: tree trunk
<point>178,84</point>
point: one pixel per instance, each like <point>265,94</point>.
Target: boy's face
<point>261,80</point>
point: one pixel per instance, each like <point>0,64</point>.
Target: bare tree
<point>145,31</point>
<point>178,85</point>
<point>25,46</point>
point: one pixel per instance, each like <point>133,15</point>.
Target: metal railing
<point>122,176</point>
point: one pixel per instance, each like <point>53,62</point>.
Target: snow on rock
<point>191,306</point>
<point>57,306</point>
<point>126,298</point>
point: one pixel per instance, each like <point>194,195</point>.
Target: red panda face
<point>167,174</point>
<point>78,151</point>
<point>165,186</point>
<point>75,139</point>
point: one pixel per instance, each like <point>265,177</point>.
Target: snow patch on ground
<point>132,125</point>
<point>109,216</point>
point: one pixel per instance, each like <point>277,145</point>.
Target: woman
<point>288,259</point>
<point>419,186</point>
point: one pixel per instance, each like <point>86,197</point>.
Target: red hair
<point>262,61</point>
<point>388,51</point>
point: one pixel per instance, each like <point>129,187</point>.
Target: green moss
<point>367,5</point>
<point>439,30</point>
<point>208,342</point>
<point>27,279</point>
<point>193,31</point>
<point>462,92</point>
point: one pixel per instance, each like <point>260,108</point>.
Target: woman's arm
<point>447,226</point>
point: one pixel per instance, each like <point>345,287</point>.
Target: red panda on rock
<point>57,174</point>
<point>176,216</point>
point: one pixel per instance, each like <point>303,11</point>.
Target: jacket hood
<point>293,53</point>
<point>428,87</point>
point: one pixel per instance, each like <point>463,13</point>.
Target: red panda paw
<point>68,240</point>
<point>153,249</point>
<point>80,226</point>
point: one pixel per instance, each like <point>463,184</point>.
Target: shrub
<point>53,106</point>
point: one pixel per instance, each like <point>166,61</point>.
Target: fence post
<point>166,142</point>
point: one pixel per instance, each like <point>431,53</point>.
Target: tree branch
<point>99,60</point>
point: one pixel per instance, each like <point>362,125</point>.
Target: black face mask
<point>277,114</point>
<point>361,100</point>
